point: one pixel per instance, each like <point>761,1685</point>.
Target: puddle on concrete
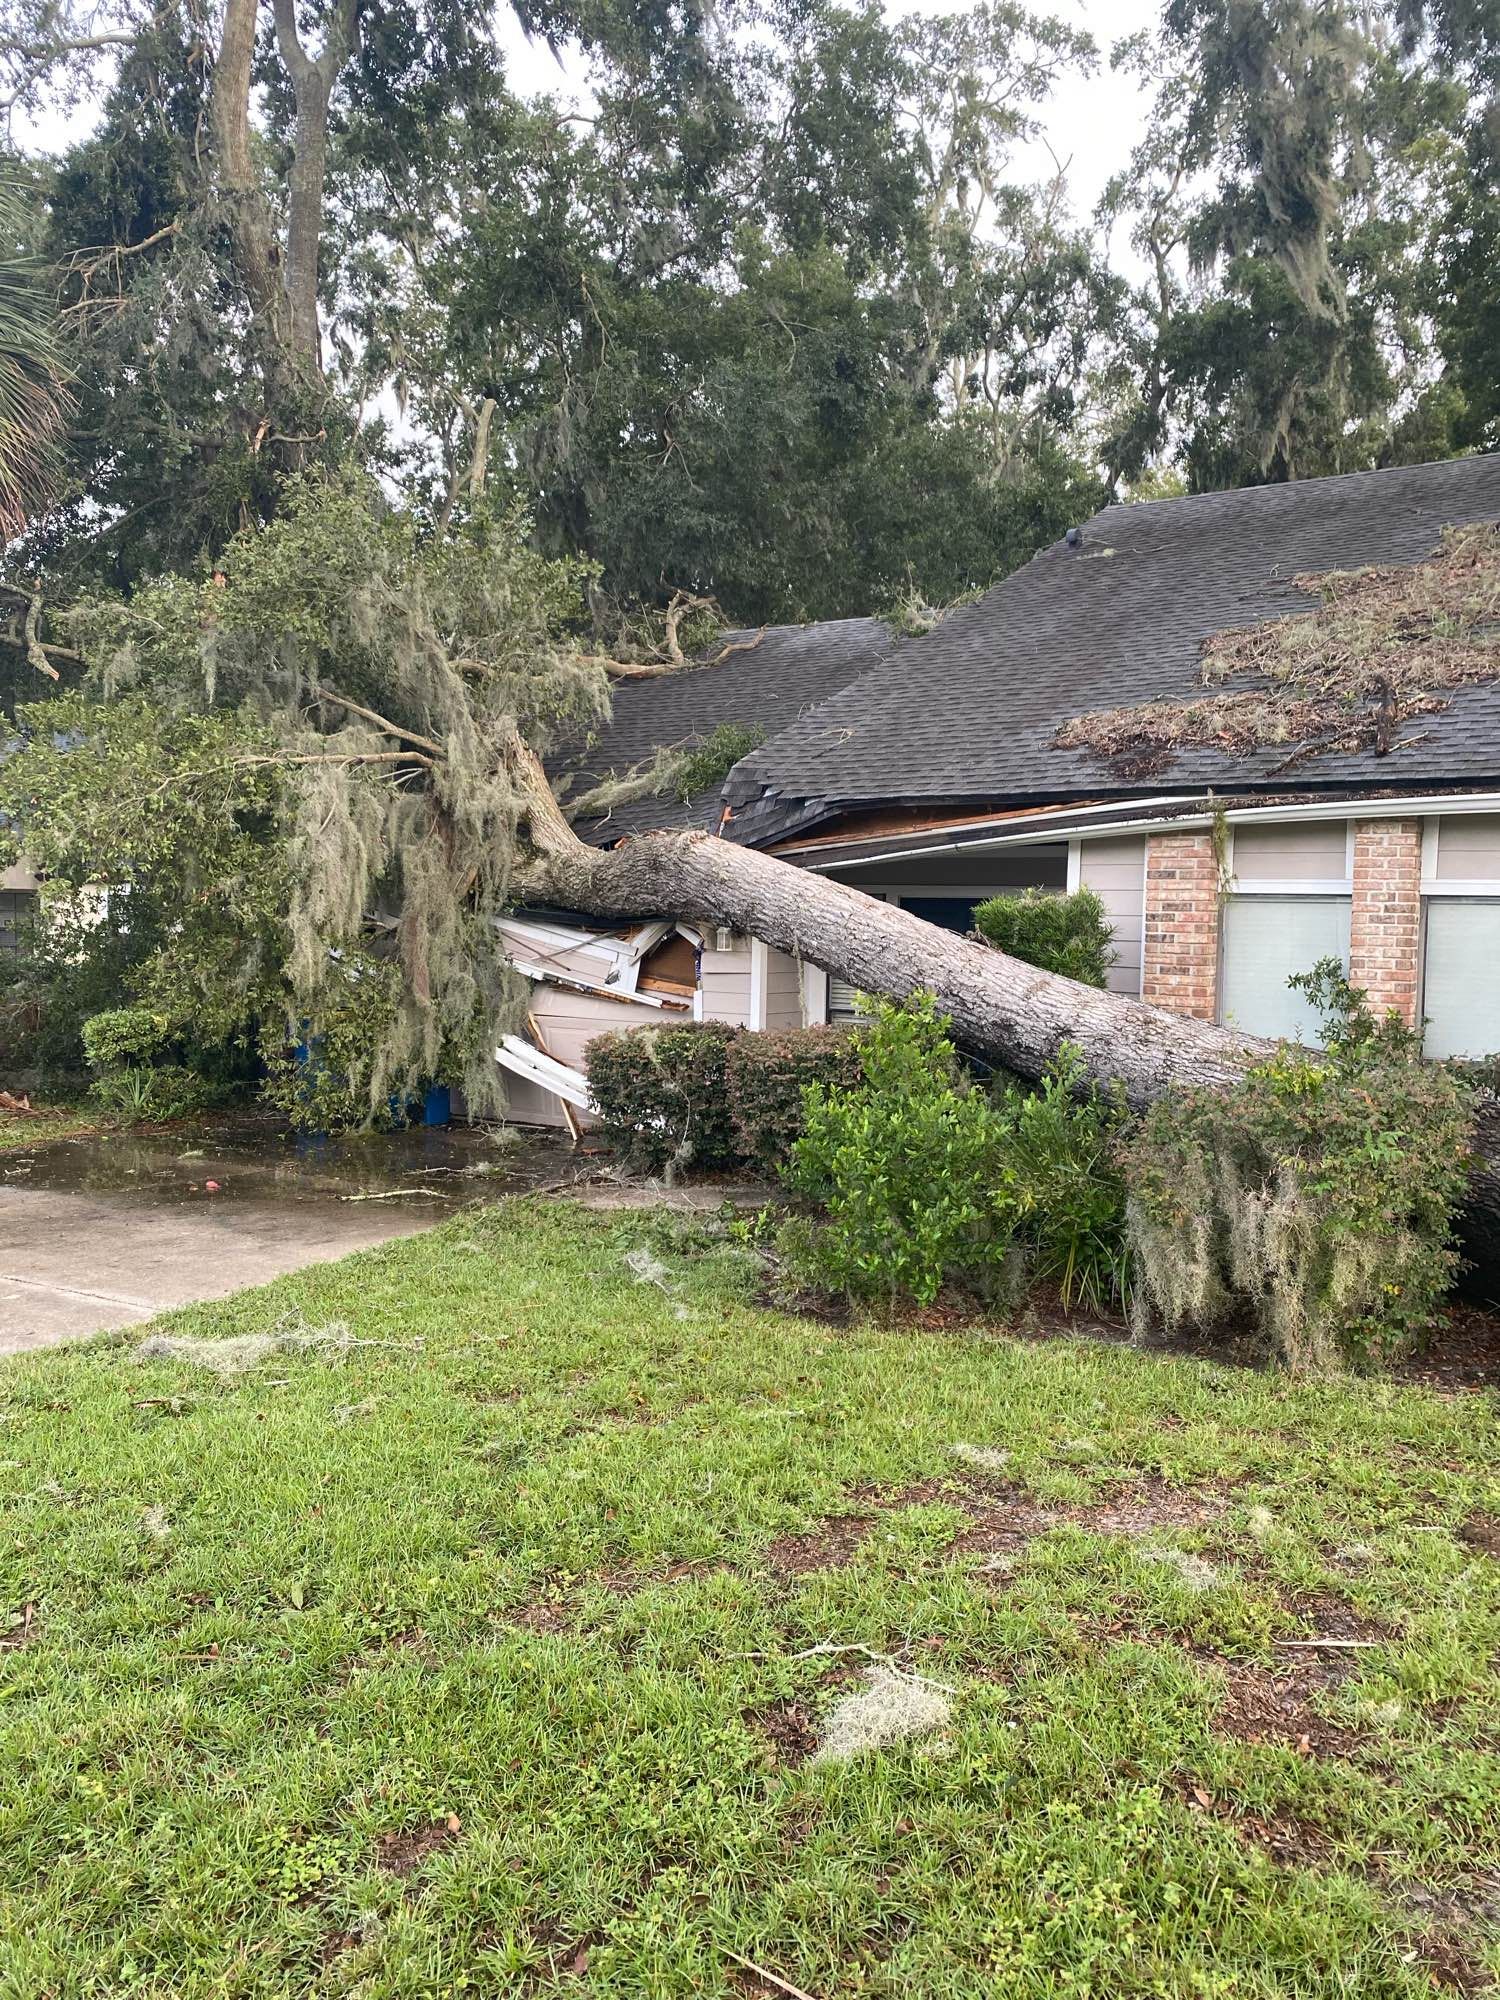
<point>427,1170</point>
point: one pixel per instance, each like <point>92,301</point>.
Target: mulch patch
<point>404,1853</point>
<point>1462,1356</point>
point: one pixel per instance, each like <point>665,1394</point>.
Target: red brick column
<point>1180,949</point>
<point>1385,923</point>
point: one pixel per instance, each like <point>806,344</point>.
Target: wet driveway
<point>105,1232</point>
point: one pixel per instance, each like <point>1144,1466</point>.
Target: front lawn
<point>478,1630</point>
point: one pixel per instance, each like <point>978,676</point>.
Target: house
<point>1234,842</point>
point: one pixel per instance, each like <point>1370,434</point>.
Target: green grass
<point>18,1130</point>
<point>530,1577</point>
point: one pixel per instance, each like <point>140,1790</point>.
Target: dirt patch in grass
<point>788,1726</point>
<point>19,1628</point>
<point>545,1616</point>
<point>404,1853</point>
<point>1142,1506</point>
<point>828,1545</point>
<point>1447,1960</point>
<point>1328,1617</point>
<point>1482,1532</point>
<point>1262,1705</point>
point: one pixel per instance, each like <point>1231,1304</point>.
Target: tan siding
<point>725,979</point>
<point>1468,848</point>
<point>783,991</point>
<point>1316,851</point>
<point>568,1022</point>
<point>19,878</point>
<point>1116,871</point>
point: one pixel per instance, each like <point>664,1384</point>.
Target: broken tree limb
<point>1013,1014</point>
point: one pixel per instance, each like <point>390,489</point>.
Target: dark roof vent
<point>1073,537</point>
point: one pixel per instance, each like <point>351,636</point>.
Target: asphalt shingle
<point>969,712</point>
<point>768,685</point>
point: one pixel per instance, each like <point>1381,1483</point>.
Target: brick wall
<point>1385,922</point>
<point>1180,946</point>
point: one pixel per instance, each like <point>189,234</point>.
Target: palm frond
<point>34,399</point>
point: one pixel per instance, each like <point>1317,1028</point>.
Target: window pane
<point>949,913</point>
<point>1266,940</point>
<point>1461,991</point>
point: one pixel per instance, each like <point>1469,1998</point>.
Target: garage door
<point>1461,989</point>
<point>1266,940</point>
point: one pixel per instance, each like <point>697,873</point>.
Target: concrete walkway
<point>76,1263</point>
<point>107,1232</point>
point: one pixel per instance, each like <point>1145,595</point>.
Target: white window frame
<point>1322,886</point>
<point>1484,888</point>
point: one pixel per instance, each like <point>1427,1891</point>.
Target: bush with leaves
<point>905,1170</point>
<point>1068,934</point>
<point>662,1097</point>
<point>1063,1182</point>
<point>321,1079</point>
<point>767,1075</point>
<point>135,1057</point>
<point>1316,1198</point>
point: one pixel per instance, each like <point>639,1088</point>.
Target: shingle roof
<point>969,712</point>
<point>767,685</point>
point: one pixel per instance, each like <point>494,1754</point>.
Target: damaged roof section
<point>762,686</point>
<point>1121,618</point>
<point>1382,647</point>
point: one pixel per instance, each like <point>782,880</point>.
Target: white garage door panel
<point>1266,940</point>
<point>1461,990</point>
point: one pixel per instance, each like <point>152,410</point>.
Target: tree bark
<point>250,224</point>
<point>1013,1014</point>
<point>313,78</point>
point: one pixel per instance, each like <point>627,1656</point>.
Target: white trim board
<point>1042,832</point>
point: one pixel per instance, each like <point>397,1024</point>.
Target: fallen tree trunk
<point>1011,1013</point>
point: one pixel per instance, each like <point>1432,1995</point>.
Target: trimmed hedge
<point>766,1075</point>
<point>705,1094</point>
<point>1068,934</point>
<point>661,1095</point>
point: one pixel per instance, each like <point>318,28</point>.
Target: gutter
<point>1382,808</point>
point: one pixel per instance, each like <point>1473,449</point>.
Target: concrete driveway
<point>99,1233</point>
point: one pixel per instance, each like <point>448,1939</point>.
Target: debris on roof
<point>1386,646</point>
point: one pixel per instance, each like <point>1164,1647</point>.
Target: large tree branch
<point>313,78</point>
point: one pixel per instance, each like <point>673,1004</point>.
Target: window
<point>949,913</point>
<point>1461,984</point>
<point>1266,940</point>
<point>16,906</point>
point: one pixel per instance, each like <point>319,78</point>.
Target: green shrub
<point>662,1095</point>
<point>1064,1183</point>
<point>126,1037</point>
<point>767,1074</point>
<point>132,1052</point>
<point>1067,934</point>
<point>322,1079</point>
<point>904,1168</point>
<point>1317,1197</point>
